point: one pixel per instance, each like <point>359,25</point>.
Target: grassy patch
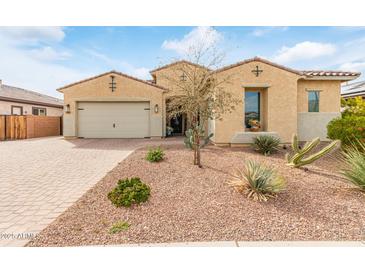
<point>118,227</point>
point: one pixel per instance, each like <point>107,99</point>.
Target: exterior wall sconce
<point>156,108</point>
<point>67,110</point>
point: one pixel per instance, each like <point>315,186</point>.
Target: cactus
<point>189,138</point>
<point>298,160</point>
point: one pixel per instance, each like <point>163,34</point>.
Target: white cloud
<point>49,54</point>
<point>122,66</point>
<point>258,32</point>
<point>27,63</point>
<point>19,69</point>
<point>143,73</point>
<point>304,51</point>
<point>353,66</point>
<point>32,34</point>
<point>199,37</point>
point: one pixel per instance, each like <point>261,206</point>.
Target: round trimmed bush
<point>128,192</point>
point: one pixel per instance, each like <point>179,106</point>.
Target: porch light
<point>156,108</point>
<point>68,108</point>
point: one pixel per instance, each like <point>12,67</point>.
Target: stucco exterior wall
<point>280,110</point>
<point>5,108</point>
<point>329,95</point>
<point>284,100</point>
<point>314,124</point>
<point>127,89</point>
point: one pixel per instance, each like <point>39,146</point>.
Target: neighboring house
<point>286,101</point>
<point>18,101</point>
<point>352,90</point>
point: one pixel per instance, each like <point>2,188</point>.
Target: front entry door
<point>177,123</point>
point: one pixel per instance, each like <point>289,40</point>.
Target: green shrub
<point>354,162</point>
<point>118,227</point>
<point>258,182</point>
<point>155,155</point>
<point>353,106</point>
<point>348,129</point>
<point>266,144</point>
<point>128,192</point>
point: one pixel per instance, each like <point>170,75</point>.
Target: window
<point>252,106</point>
<point>39,111</point>
<point>16,110</point>
<point>313,101</point>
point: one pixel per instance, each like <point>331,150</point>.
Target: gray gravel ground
<point>192,204</point>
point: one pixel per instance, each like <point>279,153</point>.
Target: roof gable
<point>111,72</point>
<point>307,74</point>
<point>258,59</point>
<point>177,63</point>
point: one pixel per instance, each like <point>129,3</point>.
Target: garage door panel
<point>113,119</point>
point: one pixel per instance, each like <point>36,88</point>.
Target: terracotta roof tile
<point>308,73</point>
<point>329,73</point>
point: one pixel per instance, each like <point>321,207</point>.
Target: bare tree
<point>199,92</point>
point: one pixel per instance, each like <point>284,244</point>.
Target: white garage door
<point>113,119</point>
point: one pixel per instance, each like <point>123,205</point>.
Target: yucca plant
<point>354,162</point>
<point>297,158</point>
<point>258,182</point>
<point>266,144</point>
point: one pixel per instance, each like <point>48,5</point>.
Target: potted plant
<point>254,125</point>
<point>169,131</point>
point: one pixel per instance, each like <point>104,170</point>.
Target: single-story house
<point>352,90</point>
<point>284,100</point>
<point>18,101</point>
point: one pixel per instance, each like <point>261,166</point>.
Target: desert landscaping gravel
<point>188,203</point>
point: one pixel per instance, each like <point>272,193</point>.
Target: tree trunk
<point>198,152</point>
<point>195,155</point>
<point>197,149</point>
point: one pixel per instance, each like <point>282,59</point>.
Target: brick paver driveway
<point>40,178</point>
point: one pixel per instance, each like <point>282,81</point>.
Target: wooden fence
<point>13,127</point>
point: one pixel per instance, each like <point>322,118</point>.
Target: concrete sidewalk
<point>251,244</point>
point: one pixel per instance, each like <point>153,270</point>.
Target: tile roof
<point>308,73</point>
<point>329,73</point>
<point>15,94</point>
<point>115,72</point>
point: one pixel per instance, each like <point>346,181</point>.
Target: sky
<point>45,58</point>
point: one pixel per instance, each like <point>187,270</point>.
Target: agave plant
<point>258,182</point>
<point>354,162</point>
<point>266,144</point>
<point>297,159</point>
